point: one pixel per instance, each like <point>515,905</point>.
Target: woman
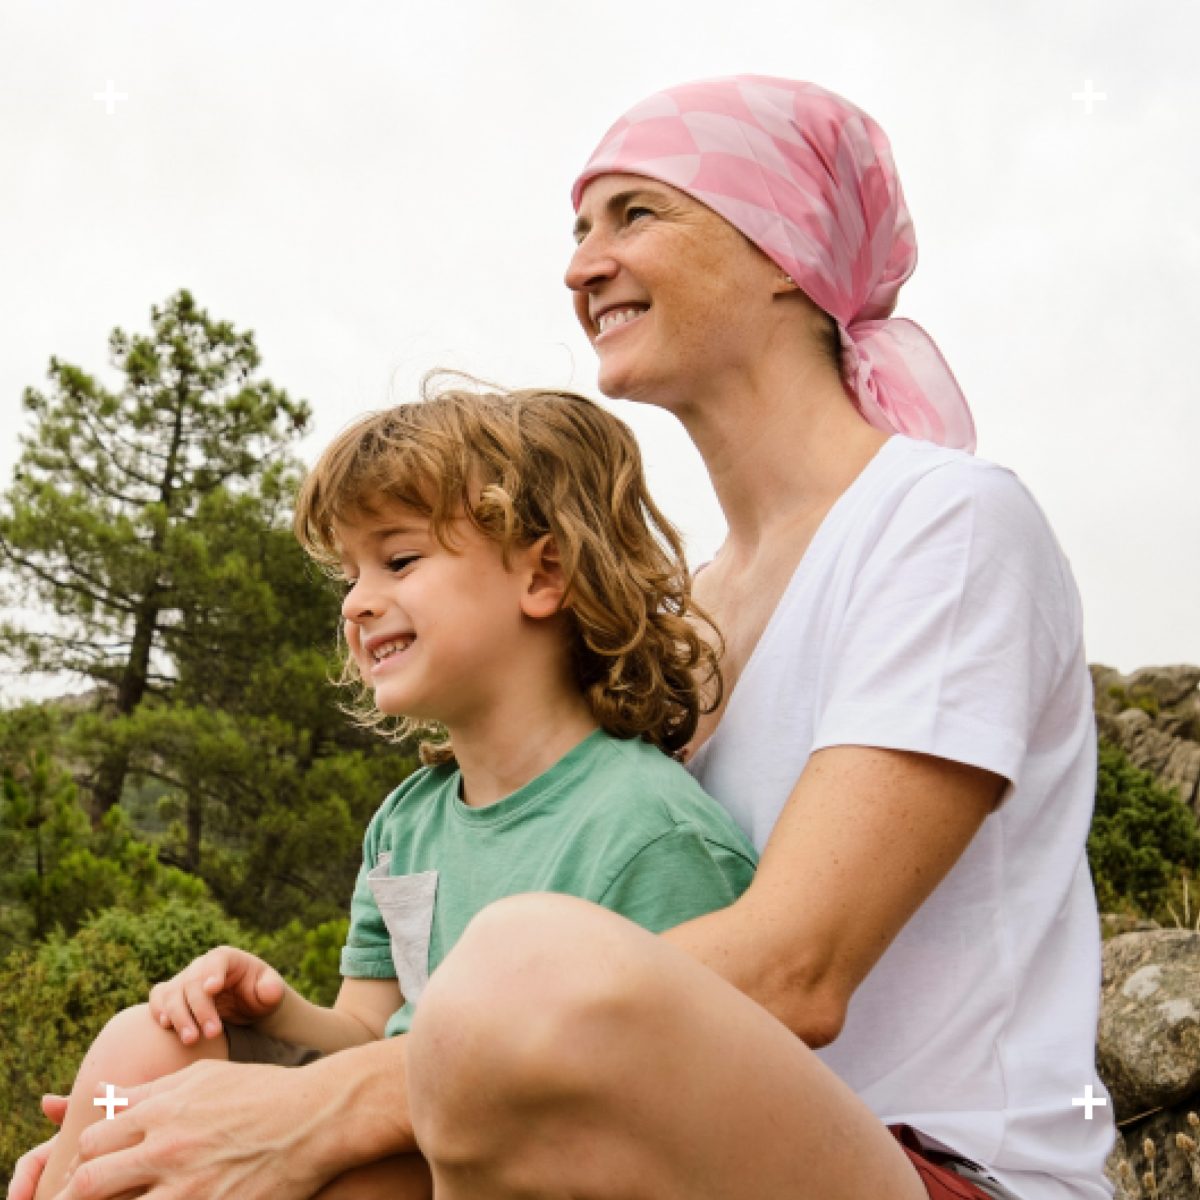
<point>906,735</point>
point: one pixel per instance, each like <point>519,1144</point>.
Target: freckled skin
<point>712,294</point>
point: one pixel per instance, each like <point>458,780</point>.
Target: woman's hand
<point>217,1131</point>
<point>224,984</point>
<point>231,1131</point>
<point>28,1171</point>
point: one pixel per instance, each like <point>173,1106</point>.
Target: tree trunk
<point>114,766</point>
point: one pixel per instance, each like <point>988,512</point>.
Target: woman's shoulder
<point>948,493</point>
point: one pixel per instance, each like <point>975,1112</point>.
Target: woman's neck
<point>780,448</point>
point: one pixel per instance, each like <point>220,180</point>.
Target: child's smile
<point>387,651</point>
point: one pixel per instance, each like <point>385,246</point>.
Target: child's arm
<point>358,1015</point>
<point>230,984</point>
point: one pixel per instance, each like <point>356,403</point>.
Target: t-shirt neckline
<point>829,524</point>
<point>538,789</point>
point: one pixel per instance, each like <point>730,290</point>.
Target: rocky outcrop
<point>1148,1048</point>
<point>1148,1054</point>
<point>1154,716</point>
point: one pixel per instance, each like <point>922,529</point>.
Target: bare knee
<point>535,999</point>
<point>133,1049</point>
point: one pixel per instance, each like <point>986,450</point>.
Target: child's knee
<point>133,1049</point>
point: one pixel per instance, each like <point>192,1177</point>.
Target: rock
<point>1176,1164</point>
<point>1127,1184</point>
<point>1154,716</point>
<point>1113,924</point>
<point>1148,1049</point>
<point>1168,685</point>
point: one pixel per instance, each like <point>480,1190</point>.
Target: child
<point>515,596</point>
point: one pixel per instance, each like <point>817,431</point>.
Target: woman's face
<point>673,298</point>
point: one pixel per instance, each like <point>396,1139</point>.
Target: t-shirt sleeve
<point>957,626</point>
<point>367,953</point>
<point>676,877</point>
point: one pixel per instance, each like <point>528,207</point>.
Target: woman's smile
<point>614,319</point>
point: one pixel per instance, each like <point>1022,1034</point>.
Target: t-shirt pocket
<point>406,904</point>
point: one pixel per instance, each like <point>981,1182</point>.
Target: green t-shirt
<point>615,822</point>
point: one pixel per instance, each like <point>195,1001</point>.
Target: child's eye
<point>397,564</point>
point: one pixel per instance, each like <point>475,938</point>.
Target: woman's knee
<point>536,998</point>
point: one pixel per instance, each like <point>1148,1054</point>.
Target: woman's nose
<point>590,265</point>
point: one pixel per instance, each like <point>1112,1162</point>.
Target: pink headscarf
<point>809,179</point>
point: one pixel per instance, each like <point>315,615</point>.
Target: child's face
<point>438,633</point>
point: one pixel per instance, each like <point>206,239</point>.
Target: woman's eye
<point>636,211</point>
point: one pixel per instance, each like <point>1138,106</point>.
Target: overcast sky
<point>380,188</point>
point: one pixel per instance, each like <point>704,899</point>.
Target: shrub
<point>55,999</point>
<point>56,870</point>
<point>1144,841</point>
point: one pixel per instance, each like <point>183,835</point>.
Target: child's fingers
<point>158,1008</point>
<point>178,1014</point>
<point>202,981</point>
<point>268,989</point>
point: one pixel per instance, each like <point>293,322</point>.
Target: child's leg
<point>132,1049</point>
<point>405,1177</point>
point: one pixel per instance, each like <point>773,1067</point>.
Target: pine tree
<point>121,511</point>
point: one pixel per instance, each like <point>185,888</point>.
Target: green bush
<point>1144,842</point>
<point>56,998</point>
<point>56,871</point>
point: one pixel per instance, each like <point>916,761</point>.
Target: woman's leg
<point>562,1051</point>
<point>405,1177</point>
<point>132,1049</point>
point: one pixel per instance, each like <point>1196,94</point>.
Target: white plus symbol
<point>111,1101</point>
<point>1088,96</point>
<point>1088,1101</point>
<point>111,97</point>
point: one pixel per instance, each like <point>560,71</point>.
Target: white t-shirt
<point>935,612</point>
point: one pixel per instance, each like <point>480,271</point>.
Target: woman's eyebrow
<point>613,204</point>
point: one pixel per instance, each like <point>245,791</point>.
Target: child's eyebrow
<point>399,529</point>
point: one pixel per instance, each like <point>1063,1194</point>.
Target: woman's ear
<point>546,587</point>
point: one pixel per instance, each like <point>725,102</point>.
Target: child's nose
<point>360,603</point>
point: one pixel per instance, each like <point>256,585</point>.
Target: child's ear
<point>546,585</point>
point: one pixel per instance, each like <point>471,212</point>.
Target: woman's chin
<point>620,381</point>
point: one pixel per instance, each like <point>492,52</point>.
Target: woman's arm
<point>864,839</point>
<point>222,1130</point>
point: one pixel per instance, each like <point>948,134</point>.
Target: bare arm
<point>864,839</point>
<point>258,1133</point>
<point>358,1016</point>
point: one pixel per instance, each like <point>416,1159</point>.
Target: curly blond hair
<point>519,465</point>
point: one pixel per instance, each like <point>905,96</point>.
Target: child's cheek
<point>353,637</point>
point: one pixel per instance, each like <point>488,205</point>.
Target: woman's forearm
<point>744,949</point>
<point>365,1092</point>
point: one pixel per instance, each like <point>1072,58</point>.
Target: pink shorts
<point>940,1182</point>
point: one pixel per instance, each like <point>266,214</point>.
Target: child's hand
<point>224,984</point>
